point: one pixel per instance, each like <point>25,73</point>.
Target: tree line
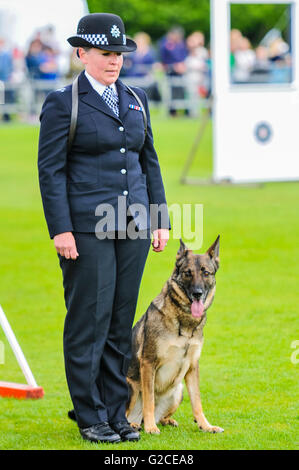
<point>156,17</point>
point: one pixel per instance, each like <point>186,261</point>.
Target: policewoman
<point>112,159</point>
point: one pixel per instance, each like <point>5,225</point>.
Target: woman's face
<point>104,66</point>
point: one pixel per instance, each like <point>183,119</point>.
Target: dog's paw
<point>169,422</point>
<point>212,429</point>
<point>135,426</point>
<point>151,429</point>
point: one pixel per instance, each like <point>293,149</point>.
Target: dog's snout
<point>197,293</point>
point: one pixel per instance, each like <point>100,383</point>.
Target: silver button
<point>125,193</point>
<point>122,150</point>
<point>123,171</point>
<point>121,129</point>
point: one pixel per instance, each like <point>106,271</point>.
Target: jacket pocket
<point>82,187</point>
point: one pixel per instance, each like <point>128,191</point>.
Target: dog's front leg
<point>192,382</point>
<point>147,375</point>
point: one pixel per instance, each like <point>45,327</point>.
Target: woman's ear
<point>82,54</point>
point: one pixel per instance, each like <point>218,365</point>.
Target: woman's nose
<point>113,58</point>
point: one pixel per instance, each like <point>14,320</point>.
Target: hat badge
<point>115,32</point>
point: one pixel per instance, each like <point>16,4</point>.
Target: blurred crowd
<point>173,56</point>
<point>270,62</point>
<point>182,61</point>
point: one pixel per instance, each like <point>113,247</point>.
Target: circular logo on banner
<point>263,132</point>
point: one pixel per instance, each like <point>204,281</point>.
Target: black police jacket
<point>110,160</point>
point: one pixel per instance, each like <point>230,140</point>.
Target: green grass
<point>249,386</point>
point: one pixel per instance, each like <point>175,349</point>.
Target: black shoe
<point>125,431</point>
<point>100,432</point>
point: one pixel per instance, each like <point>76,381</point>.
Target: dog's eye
<point>206,273</point>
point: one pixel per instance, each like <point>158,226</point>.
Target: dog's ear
<point>182,251</point>
<point>213,252</point>
<point>180,256</point>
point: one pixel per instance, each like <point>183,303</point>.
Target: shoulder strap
<point>74,114</point>
<point>141,106</point>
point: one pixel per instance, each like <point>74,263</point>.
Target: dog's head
<point>195,275</point>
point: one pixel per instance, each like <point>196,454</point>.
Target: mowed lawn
<point>249,384</point>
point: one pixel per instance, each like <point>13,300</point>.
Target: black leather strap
<point>74,114</point>
<point>141,106</point>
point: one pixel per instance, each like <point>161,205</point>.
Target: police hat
<point>103,31</point>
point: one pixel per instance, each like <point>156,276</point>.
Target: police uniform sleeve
<point>151,167</point>
<point>52,162</point>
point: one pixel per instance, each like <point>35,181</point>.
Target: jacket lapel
<point>89,96</point>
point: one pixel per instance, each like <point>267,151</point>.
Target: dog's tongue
<point>197,308</point>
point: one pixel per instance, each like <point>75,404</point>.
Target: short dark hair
<point>86,48</point>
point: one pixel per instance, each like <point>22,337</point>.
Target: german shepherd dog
<point>167,342</point>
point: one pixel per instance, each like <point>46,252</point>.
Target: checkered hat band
<point>95,39</point>
<point>98,39</point>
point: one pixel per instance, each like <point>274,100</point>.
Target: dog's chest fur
<point>176,353</point>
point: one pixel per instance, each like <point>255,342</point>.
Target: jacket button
<point>122,150</point>
<point>121,129</point>
<point>125,193</point>
<point>123,171</point>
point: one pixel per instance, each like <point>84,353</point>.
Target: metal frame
<point>17,350</point>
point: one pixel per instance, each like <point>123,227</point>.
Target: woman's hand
<point>65,245</point>
<point>160,239</point>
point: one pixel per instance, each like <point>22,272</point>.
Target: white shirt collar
<point>99,87</point>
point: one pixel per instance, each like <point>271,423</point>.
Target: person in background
<point>235,44</point>
<point>196,65</point>
<point>42,67</point>
<point>141,64</point>
<point>173,53</point>
<point>48,38</point>
<point>34,59</point>
<point>244,61</point>
<point>262,66</point>
<point>143,59</point>
<point>48,66</point>
<point>6,69</point>
<point>281,61</point>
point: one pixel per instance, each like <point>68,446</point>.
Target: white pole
<point>16,349</point>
